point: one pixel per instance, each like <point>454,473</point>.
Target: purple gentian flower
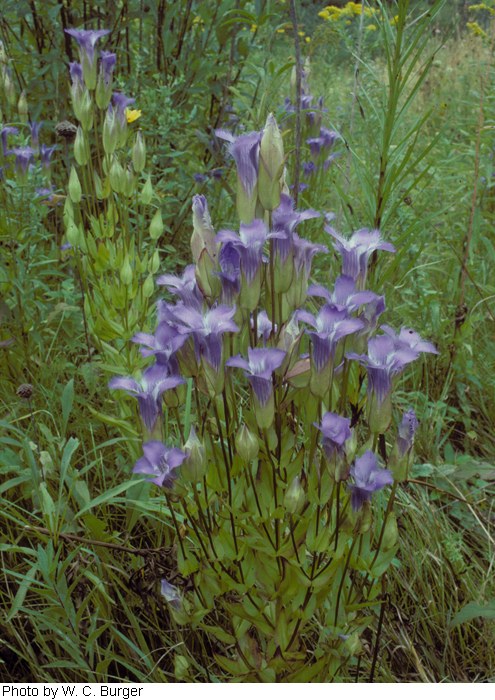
<point>304,251</point>
<point>121,102</point>
<point>344,295</point>
<point>356,251</point>
<point>335,431</point>
<point>217,173</point>
<point>309,170</point>
<point>245,150</point>
<point>163,344</point>
<point>324,141</point>
<point>160,462</point>
<point>23,158</point>
<point>384,361</point>
<point>206,330</point>
<point>331,325</point>
<point>5,132</point>
<point>76,74</point>
<point>170,594</point>
<point>264,326</point>
<point>368,478</point>
<point>249,244</point>
<point>285,220</point>
<point>46,154</point>
<point>230,276</point>
<point>409,339</point>
<point>87,38</point>
<point>406,432</point>
<point>66,246</point>
<point>259,367</point>
<point>35,129</point>
<point>148,391</point>
<point>108,61</point>
<point>47,194</point>
<point>200,178</point>
<point>185,287</point>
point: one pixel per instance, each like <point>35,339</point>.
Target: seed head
<point>66,130</point>
<point>25,391</point>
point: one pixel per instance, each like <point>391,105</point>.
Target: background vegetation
<point>193,67</point>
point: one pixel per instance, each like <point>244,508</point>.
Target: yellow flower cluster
<point>482,6</point>
<point>476,30</point>
<point>132,115</point>
<point>352,9</point>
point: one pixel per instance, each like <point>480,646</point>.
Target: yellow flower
<point>476,30</point>
<point>308,39</point>
<point>482,6</point>
<point>132,115</point>
<point>394,21</point>
<point>301,33</point>
<point>281,31</point>
<point>370,28</point>
<point>253,28</point>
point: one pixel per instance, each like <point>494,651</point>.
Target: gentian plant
<point>275,480</point>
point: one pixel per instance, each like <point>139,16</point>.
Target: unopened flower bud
<point>9,87</point>
<point>246,444</point>
<point>139,153</point>
<point>117,175</point>
<point>126,271</point>
<point>75,191</point>
<point>391,533</point>
<point>147,192</point>
<point>156,226</point>
<point>22,108</point>
<point>3,58</point>
<point>193,468</point>
<point>272,160</point>
<point>80,153</point>
<point>110,131</point>
<point>130,182</point>
<point>295,497</point>
<point>86,112</point>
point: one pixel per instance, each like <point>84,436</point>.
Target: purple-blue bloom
<point>5,132</point>
<point>384,361</point>
<point>170,594</point>
<point>285,220</point>
<point>406,432</point>
<point>230,275</point>
<point>335,431</point>
<point>35,129</point>
<point>200,178</point>
<point>245,150</point>
<point>23,157</point>
<point>324,141</point>
<point>259,366</point>
<point>87,38</point>
<point>344,295</point>
<point>331,325</point>
<point>304,251</point>
<point>108,61</point>
<point>47,194</point>
<point>206,330</point>
<point>46,154</point>
<point>368,478</point>
<point>309,170</point>
<point>264,326</point>
<point>148,391</point>
<point>185,287</point>
<point>160,462</point>
<point>249,244</point>
<point>409,339</point>
<point>163,344</point>
<point>120,103</point>
<point>356,251</point>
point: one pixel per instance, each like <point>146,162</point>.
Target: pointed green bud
<point>22,108</point>
<point>208,283</point>
<point>117,175</point>
<point>363,520</point>
<point>295,497</point>
<point>121,133</point>
<point>130,182</point>
<point>246,444</point>
<point>139,153</point>
<point>391,533</point>
<point>126,271</point>
<point>155,262</point>
<point>147,192</point>
<point>148,286</point>
<point>110,131</point>
<point>86,113</point>
<point>193,468</point>
<point>156,226</point>
<point>75,191</point>
<point>73,234</point>
<point>9,87</point>
<point>272,160</point>
<point>68,214</point>
<point>80,152</point>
